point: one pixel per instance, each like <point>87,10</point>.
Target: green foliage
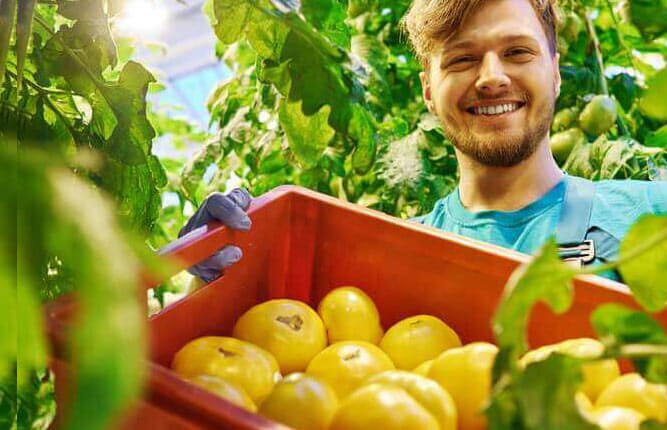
<point>542,395</point>
<point>645,275</point>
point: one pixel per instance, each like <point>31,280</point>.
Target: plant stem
<point>621,39</point>
<point>642,350</point>
<point>634,253</point>
<point>590,27</point>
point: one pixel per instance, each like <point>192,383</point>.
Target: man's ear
<point>426,89</point>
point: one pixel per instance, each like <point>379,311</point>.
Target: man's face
<point>493,84</point>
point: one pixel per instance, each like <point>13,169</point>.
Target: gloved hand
<point>229,210</point>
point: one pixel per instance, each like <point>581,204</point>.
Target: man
<point>491,76</point>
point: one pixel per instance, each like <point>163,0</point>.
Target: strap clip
<point>578,254</point>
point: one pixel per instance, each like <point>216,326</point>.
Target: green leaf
<point>650,16</point>
<point>607,157</point>
<point>658,138</point>
<point>625,88</point>
<point>228,18</point>
<point>644,273</point>
<point>194,170</point>
<point>652,425</point>
<point>307,135</point>
<point>328,16</point>
<point>131,140</point>
<point>545,392</point>
<point>617,326</point>
<point>545,279</point>
<point>363,131</point>
<point>653,102</point>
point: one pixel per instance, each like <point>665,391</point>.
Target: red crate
<point>303,244</point>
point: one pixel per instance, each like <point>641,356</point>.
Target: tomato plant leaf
<point>546,394</point>
<point>644,273</point>
<point>308,135</point>
<point>653,101</point>
<point>544,279</point>
<point>617,326</point>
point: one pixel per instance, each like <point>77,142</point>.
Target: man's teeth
<point>496,110</point>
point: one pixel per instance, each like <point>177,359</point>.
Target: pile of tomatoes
<point>342,371</point>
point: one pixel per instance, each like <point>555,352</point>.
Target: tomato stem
<point>636,350</point>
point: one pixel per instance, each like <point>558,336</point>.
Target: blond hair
<point>428,22</point>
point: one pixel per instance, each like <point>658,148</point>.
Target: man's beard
<point>503,149</point>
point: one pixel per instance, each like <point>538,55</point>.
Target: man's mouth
<point>497,109</point>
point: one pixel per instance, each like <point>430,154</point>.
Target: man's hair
<point>431,21</point>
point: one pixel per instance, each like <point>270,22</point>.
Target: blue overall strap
<point>574,221</point>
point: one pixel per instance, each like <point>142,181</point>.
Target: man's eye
<point>519,51</point>
<point>460,60</point>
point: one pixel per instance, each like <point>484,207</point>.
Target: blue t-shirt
<point>616,206</point>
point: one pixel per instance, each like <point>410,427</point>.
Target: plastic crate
<point>303,244</point>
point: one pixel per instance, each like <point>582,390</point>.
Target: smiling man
<point>491,76</point>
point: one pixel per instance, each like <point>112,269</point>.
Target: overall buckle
<point>578,254</point>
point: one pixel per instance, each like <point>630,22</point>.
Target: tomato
<point>349,314</point>
<point>241,363</point>
<point>427,392</point>
<point>382,407</point>
<point>562,143</point>
<point>615,418</point>
<point>345,365</point>
<point>226,390</point>
<point>633,391</point>
<point>423,368</point>
<point>465,372</point>
<point>288,329</point>
<point>597,374</point>
<point>564,119</point>
<point>412,341</point>
<point>583,402</point>
<point>302,402</point>
<point>599,115</point>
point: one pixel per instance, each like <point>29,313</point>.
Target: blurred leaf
<point>546,392</point>
<point>618,325</point>
<point>545,279</point>
<point>308,136</point>
<point>657,138</point>
<point>650,16</point>
<point>653,102</point>
<point>625,89</point>
<point>645,273</point>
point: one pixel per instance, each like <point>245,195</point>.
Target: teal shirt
<point>616,206</point>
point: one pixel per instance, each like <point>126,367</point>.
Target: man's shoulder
<point>620,203</point>
<point>649,195</point>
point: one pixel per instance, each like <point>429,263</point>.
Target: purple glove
<point>230,211</point>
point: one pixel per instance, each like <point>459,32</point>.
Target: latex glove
<point>230,210</point>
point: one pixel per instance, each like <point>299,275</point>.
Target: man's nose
<point>492,78</point>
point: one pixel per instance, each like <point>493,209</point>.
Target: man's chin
<point>499,151</point>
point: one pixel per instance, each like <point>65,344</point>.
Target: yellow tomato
<point>427,392</point>
<point>583,402</point>
<point>382,407</point>
<point>241,363</point>
<point>345,365</point>
<point>416,339</point>
<point>424,368</point>
<point>226,390</point>
<point>597,374</point>
<point>633,391</point>
<point>349,314</point>
<point>302,402</point>
<point>615,418</point>
<point>288,329</point>
<point>465,372</point>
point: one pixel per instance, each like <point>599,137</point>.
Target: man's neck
<point>507,188</point>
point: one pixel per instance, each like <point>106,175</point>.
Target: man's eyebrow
<point>463,44</point>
